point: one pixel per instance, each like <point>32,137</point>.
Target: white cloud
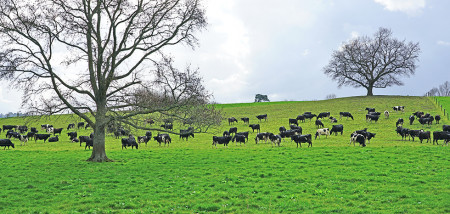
<point>410,7</point>
<point>443,43</point>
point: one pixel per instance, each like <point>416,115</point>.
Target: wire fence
<point>446,113</point>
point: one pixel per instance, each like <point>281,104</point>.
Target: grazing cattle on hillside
<point>71,126</point>
<point>337,128</point>
<point>371,117</point>
<point>370,110</point>
<point>386,114</point>
<point>358,138</point>
<point>245,120</point>
<point>301,118</point>
<point>299,139</point>
<point>262,116</point>
<point>424,135</point>
<point>6,143</point>
<point>226,133</point>
<point>72,135</point>
<point>255,126</point>
<point>411,119</point>
<point>418,114</point>
<point>80,125</point>
<point>298,129</point>
<point>333,120</point>
<point>163,138</point>
<point>404,132</point>
<point>293,121</point>
<point>239,139</point>
<point>399,122</point>
<point>414,133</point>
<point>41,137</point>
<point>399,108</point>
<point>83,139</point>
<point>446,128</point>
<point>437,118</point>
<point>23,129</point>
<point>323,115</point>
<point>282,129</point>
<point>345,114</point>
<point>233,130</point>
<point>426,120</point>
<point>57,131</point>
<point>167,126</point>
<point>324,131</point>
<point>53,139</point>
<point>438,135</point>
<point>130,141</point>
<point>221,140</point>
<point>319,124</point>
<point>309,116</point>
<point>289,133</point>
<point>231,120</point>
<point>275,139</point>
<point>262,136</point>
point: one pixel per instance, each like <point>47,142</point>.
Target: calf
<point>424,135</point>
<point>239,138</point>
<point>358,138</point>
<point>167,126</point>
<point>221,140</point>
<point>370,110</point>
<point>437,118</point>
<point>262,136</point>
<point>262,116</point>
<point>301,118</point>
<point>233,130</point>
<point>299,139</point>
<point>372,117</point>
<point>6,143</point>
<point>41,137</point>
<point>319,124</point>
<point>324,131</point>
<point>323,115</point>
<point>57,131</point>
<point>53,139</point>
<point>345,114</point>
<point>231,120</point>
<point>336,129</point>
<point>72,135</point>
<point>411,119</point>
<point>275,139</point>
<point>386,114</point>
<point>255,126</point>
<point>71,126</point>
<point>298,129</point>
<point>293,121</point>
<point>399,122</point>
<point>80,124</point>
<point>245,120</point>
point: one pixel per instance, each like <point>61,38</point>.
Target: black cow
<point>438,135</point>
<point>293,121</point>
<point>239,138</point>
<point>11,133</point>
<point>336,129</point>
<point>411,119</point>
<point>370,117</point>
<point>226,133</point>
<point>130,141</point>
<point>404,132</point>
<point>262,116</point>
<point>84,139</point>
<point>57,131</point>
<point>6,143</point>
<point>163,138</point>
<point>374,113</point>
<point>446,128</point>
<point>80,124</point>
<point>255,126</point>
<point>143,139</point>
<point>323,115</point>
<point>148,134</point>
<point>298,129</point>
<point>33,129</point>
<point>299,139</point>
<point>399,122</point>
<point>426,120</point>
<point>41,137</point>
<point>243,133</point>
<point>289,133</point>
<point>221,140</point>
<point>233,130</point>
<point>89,143</point>
<point>414,133</point>
<point>370,110</point>
<point>282,129</point>
<point>437,118</point>
<point>71,126</point>
<point>309,116</point>
<point>418,114</point>
<point>262,136</point>
<point>319,124</point>
<point>8,127</point>
<point>345,114</point>
<point>23,129</point>
<point>53,139</point>
<point>246,120</point>
<point>30,135</point>
<point>186,135</point>
<point>301,118</point>
<point>231,120</point>
<point>168,126</point>
<point>358,138</point>
<point>424,135</point>
<point>72,135</point>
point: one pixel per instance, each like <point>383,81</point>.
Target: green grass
<point>445,102</point>
<point>387,176</point>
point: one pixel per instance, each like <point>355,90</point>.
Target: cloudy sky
<point>279,48</point>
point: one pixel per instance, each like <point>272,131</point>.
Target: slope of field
<point>389,175</point>
<point>445,102</point>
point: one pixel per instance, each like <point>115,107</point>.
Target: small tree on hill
<point>376,62</point>
<point>261,98</point>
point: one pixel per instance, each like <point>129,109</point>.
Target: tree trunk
<point>98,151</point>
<point>370,90</point>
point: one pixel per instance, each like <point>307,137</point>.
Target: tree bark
<point>98,150</point>
<point>370,90</point>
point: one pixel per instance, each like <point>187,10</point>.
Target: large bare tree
<point>376,62</point>
<point>105,61</point>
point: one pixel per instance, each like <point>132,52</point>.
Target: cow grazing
<point>262,136</point>
<point>386,114</point>
<point>23,139</point>
<point>71,126</point>
<point>80,125</point>
<point>231,120</point>
<point>255,126</point>
<point>309,116</point>
<point>167,126</point>
<point>372,117</point>
<point>333,120</point>
<point>301,118</point>
<point>319,124</point>
<point>414,133</point>
<point>186,135</point>
<point>233,130</point>
<point>293,121</point>
<point>46,126</point>
<point>239,139</point>
<point>262,116</point>
<point>345,114</point>
<point>437,118</point>
<point>336,129</point>
<point>89,143</point>
<point>298,129</point>
<point>424,135</point>
<point>72,135</point>
<point>399,122</point>
<point>299,139</point>
<point>41,137</point>
<point>370,110</point>
<point>163,138</point>
<point>8,127</point>
<point>6,143</point>
<point>243,133</point>
<point>245,120</point>
<point>221,140</point>
<point>358,138</point>
<point>57,131</point>
<point>53,139</point>
<point>226,133</point>
<point>282,129</point>
<point>84,139</point>
<point>130,141</point>
<point>446,128</point>
<point>275,139</point>
<point>399,108</point>
<point>323,115</point>
<point>324,131</point>
<point>438,135</point>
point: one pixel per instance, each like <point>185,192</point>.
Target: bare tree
<point>103,60</point>
<point>330,96</point>
<point>376,62</point>
<point>444,89</point>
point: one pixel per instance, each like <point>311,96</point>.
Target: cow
<point>372,117</point>
<point>233,130</point>
<point>57,131</point>
<point>324,131</point>
<point>309,115</point>
<point>357,138</point>
<point>6,143</point>
<point>446,128</point>
<point>8,127</point>
<point>231,120</point>
<point>411,119</point>
<point>399,108</point>
<point>83,139</point>
<point>50,129</point>
<point>289,133</point>
<point>336,129</point>
<point>424,135</point>
<point>30,135</point>
<point>323,115</point>
<point>299,139</point>
<point>404,132</point>
<point>399,122</point>
<point>226,133</point>
<point>418,114</point>
<point>33,129</point>
<point>89,143</point>
<point>72,135</point>
<point>275,139</point>
<point>262,116</point>
<point>167,126</point>
<point>301,118</point>
<point>245,120</point>
<point>143,139</point>
<point>41,137</point>
<point>255,126</point>
<point>186,135</point>
<point>333,120</point>
<point>53,139</point>
<point>298,129</point>
<point>426,120</point>
<point>282,129</point>
<point>11,133</point>
<point>293,121</point>
<point>80,124</point>
<point>440,135</point>
<point>319,124</point>
<point>243,133</point>
<point>414,133</point>
<point>386,114</point>
<point>262,136</point>
<point>163,138</point>
<point>345,114</point>
<point>221,140</point>
<point>370,110</point>
<point>23,139</point>
<point>130,141</point>
<point>23,129</point>
<point>71,126</point>
<point>437,118</point>
<point>239,138</point>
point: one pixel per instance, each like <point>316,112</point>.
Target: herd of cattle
<point>295,132</point>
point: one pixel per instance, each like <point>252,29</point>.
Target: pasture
<point>387,176</point>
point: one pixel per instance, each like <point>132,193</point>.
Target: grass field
<point>387,176</point>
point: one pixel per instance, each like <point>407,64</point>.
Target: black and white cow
<point>411,119</point>
<point>324,131</point>
<point>275,139</point>
<point>130,141</point>
<point>164,138</point>
<point>71,126</point>
<point>336,129</point>
<point>446,128</point>
<point>298,129</point>
<point>23,129</point>
<point>255,126</point>
<point>333,120</point>
<point>226,133</point>
<point>233,130</point>
<point>243,133</point>
<point>72,135</point>
<point>323,115</point>
<point>386,114</point>
<point>282,129</point>
<point>288,133</point>
<point>299,139</point>
<point>358,138</point>
<point>399,122</point>
<point>345,114</point>
<point>262,136</point>
<point>399,108</point>
<point>418,114</point>
<point>426,120</point>
<point>372,117</point>
<point>262,116</point>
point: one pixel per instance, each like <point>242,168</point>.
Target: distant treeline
<point>11,114</point>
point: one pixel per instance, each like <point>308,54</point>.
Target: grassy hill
<point>389,175</point>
